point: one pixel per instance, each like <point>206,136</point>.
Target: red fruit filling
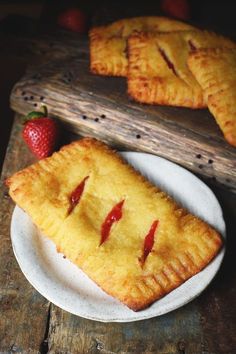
<point>113,216</point>
<point>191,45</point>
<point>168,61</point>
<point>149,241</point>
<point>76,195</point>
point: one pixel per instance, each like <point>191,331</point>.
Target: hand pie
<point>129,237</point>
<point>108,53</point>
<point>215,70</point>
<point>158,71</point>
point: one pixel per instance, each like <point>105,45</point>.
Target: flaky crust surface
<point>158,72</point>
<point>215,70</point>
<point>183,244</point>
<point>108,44</point>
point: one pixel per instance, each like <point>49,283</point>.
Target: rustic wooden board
<point>29,324</point>
<point>174,333</point>
<point>24,312</point>
<point>99,106</point>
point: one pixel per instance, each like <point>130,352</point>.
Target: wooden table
<point>31,324</point>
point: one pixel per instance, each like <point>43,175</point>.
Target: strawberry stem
<point>45,110</point>
<point>36,114</point>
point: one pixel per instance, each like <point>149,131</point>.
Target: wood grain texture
<point>24,311</point>
<point>174,333</point>
<point>217,305</point>
<point>99,106</point>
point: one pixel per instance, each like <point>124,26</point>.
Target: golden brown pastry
<point>158,72</point>
<point>215,70</point>
<point>128,236</point>
<point>108,44</point>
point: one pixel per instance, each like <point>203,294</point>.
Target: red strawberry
<point>41,134</point>
<point>176,8</point>
<point>74,20</point>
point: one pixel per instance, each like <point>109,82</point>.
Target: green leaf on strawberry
<point>36,114</point>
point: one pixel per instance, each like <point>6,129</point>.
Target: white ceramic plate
<point>62,283</point>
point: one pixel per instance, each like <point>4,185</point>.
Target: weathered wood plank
<point>175,333</point>
<point>195,133</point>
<point>217,305</point>
<point>24,311</point>
<point>99,106</point>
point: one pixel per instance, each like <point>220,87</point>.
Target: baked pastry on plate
<point>108,44</point>
<point>128,236</point>
<point>158,72</point>
<point>215,71</point>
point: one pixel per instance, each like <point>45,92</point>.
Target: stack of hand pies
<point>168,62</point>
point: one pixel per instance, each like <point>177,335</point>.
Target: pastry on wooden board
<point>215,70</point>
<point>158,72</point>
<point>108,44</point>
<point>128,236</point>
